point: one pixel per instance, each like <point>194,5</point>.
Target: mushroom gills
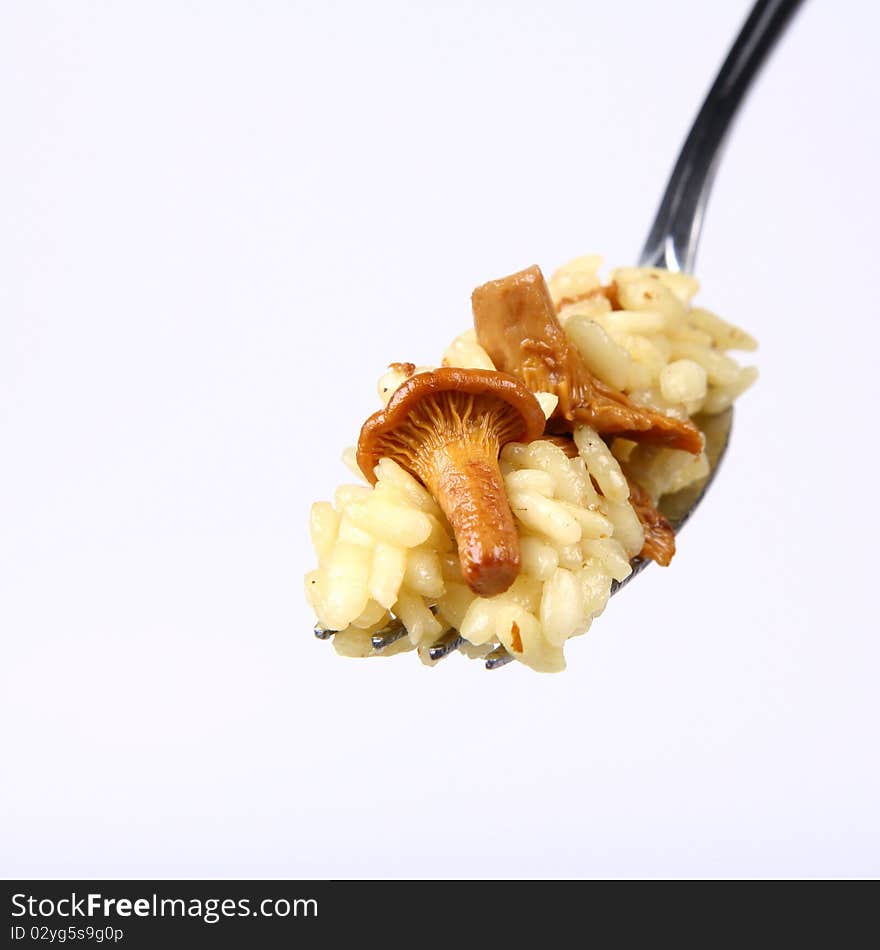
<point>447,428</point>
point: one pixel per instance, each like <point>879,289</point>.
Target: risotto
<point>500,496</point>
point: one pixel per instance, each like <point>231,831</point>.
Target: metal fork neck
<point>675,233</point>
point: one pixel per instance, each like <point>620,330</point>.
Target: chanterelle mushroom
<point>516,324</point>
<point>447,427</point>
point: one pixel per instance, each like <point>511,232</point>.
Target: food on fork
<point>517,326</point>
<point>659,544</point>
<point>447,427</point>
<point>506,491</point>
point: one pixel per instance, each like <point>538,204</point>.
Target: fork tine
<point>638,565</point>
<point>497,658</point>
<point>447,644</point>
<point>387,635</point>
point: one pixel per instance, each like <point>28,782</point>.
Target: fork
<point>672,244</point>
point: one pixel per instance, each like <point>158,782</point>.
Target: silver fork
<point>672,243</point>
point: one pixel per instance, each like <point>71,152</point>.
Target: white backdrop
<point>220,221</point>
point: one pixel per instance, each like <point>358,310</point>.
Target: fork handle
<point>675,233</point>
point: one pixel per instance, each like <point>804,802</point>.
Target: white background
<point>219,222</point>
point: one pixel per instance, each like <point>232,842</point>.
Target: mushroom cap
<point>524,422</point>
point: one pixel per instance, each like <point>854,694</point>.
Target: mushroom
<point>517,326</point>
<point>447,428</point>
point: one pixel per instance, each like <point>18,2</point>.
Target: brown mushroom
<point>447,428</point>
<point>517,325</point>
<point>659,543</point>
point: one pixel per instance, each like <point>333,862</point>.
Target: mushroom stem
<point>466,481</point>
<point>447,427</point>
